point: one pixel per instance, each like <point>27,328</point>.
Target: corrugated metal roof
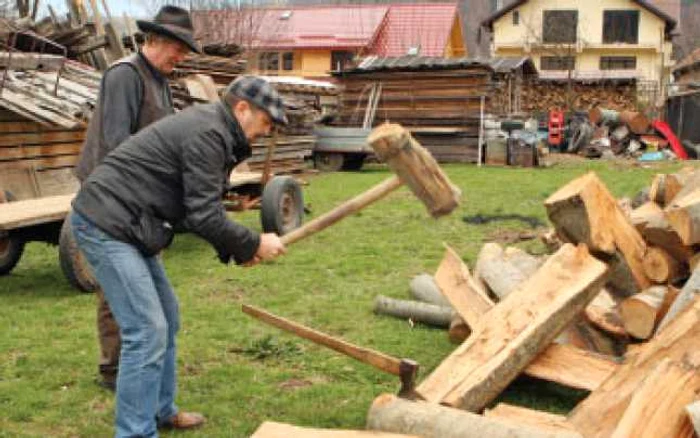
<point>426,26</point>
<point>414,63</point>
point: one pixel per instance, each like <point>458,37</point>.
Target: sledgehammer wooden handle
<point>345,209</point>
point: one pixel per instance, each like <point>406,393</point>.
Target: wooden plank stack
<point>438,100</point>
<point>599,284</point>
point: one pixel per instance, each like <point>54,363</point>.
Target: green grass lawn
<point>240,372</point>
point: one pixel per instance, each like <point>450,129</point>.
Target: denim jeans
<point>146,309</point>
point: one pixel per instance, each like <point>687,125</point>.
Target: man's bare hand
<point>270,247</point>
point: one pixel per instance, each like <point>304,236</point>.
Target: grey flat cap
<point>260,93</point>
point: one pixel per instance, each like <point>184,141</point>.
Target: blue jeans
<point>146,309</point>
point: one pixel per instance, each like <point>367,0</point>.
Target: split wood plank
<point>40,163</point>
<point>584,211</point>
<point>30,61</point>
<point>603,313</point>
<point>563,364</point>
<point>657,408</point>
<point>41,138</point>
<point>687,295</point>
<point>513,333</point>
<point>599,414</point>
<point>34,211</point>
<point>392,414</point>
<point>520,415</point>
<point>49,150</point>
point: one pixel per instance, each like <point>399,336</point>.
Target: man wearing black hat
<point>133,94</point>
<point>172,172</point>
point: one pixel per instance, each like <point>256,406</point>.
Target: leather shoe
<point>183,420</point>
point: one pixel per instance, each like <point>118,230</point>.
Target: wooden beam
<point>392,414</point>
<point>34,211</point>
<point>513,333</point>
<point>585,212</point>
<point>598,415</point>
<point>657,408</point>
<point>520,415</point>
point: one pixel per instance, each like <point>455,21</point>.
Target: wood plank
<point>584,211</point>
<point>657,408</point>
<point>41,138</point>
<point>513,333</point>
<point>455,282</point>
<point>392,414</point>
<point>40,163</point>
<point>42,151</point>
<point>521,415</point>
<point>271,429</point>
<point>34,211</point>
<point>599,414</point>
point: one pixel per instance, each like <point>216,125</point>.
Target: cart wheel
<point>74,266</point>
<point>282,205</point>
<point>353,161</point>
<point>11,244</point>
<point>328,161</point>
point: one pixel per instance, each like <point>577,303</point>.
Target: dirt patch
<point>509,237</point>
<point>293,384</point>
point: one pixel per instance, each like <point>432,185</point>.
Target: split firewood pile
<point>613,311</point>
<point>540,96</point>
<point>609,133</point>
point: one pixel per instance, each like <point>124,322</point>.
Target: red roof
<point>385,30</point>
<point>423,25</point>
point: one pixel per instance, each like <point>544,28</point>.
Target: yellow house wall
<point>315,62</point>
<point>526,37</point>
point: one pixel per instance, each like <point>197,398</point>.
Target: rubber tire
<point>353,161</point>
<point>329,161</point>
<point>74,266</point>
<point>11,253</point>
<point>282,205</point>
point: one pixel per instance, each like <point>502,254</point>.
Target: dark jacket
<point>133,94</point>
<point>174,171</point>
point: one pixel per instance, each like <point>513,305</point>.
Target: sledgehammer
<point>414,166</point>
<point>406,369</point>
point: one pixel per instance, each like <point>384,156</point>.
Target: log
<point>684,217</point>
<point>423,288</point>
<point>660,267</point>
<point>637,122</point>
<point>599,414</point>
<point>602,116</point>
<point>520,415</point>
<point>513,333</point>
<point>584,211</point>
<point>503,270</point>
<point>603,314</point>
<point>664,188</point>
<point>687,295</point>
<point>392,414</point>
<point>641,312</point>
<point>657,408</point>
<point>459,288</point>
<point>415,311</point>
<point>693,412</point>
<point>459,330</point>
<point>652,223</point>
<point>271,429</point>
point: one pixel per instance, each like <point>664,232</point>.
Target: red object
<point>665,130</point>
<point>556,127</point>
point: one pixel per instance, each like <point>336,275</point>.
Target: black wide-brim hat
<point>174,23</point>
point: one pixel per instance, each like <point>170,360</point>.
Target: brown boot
<point>183,420</point>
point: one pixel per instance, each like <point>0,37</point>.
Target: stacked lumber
<point>540,96</point>
<point>439,102</point>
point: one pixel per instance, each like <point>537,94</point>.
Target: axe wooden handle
<point>345,209</point>
<point>375,358</point>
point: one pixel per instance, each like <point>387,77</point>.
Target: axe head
<point>408,370</point>
<point>416,168</point>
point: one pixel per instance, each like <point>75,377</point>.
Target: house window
<point>559,27</point>
<point>557,63</point>
<point>341,59</point>
<point>516,18</point>
<point>288,61</point>
<point>618,62</point>
<point>620,27</point>
<point>269,61</point>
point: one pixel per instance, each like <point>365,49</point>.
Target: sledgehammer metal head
<point>416,168</point>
